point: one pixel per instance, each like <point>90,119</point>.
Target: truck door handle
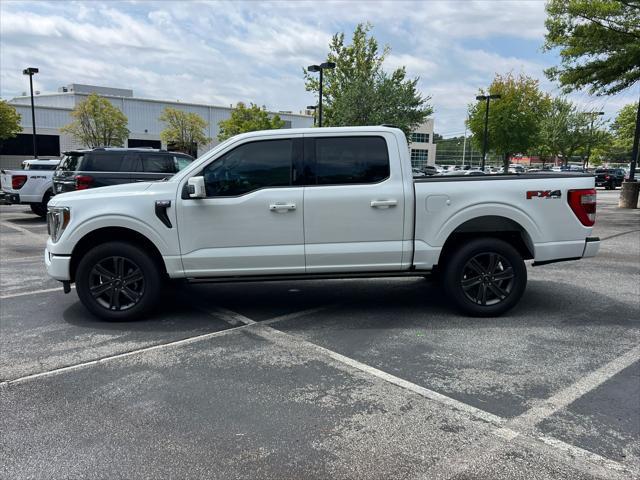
<point>383,203</point>
<point>282,207</point>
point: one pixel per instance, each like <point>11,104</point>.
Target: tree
<point>359,92</point>
<point>565,130</point>
<point>184,130</point>
<point>623,127</point>
<point>98,123</point>
<point>599,43</point>
<point>248,119</point>
<point>9,122</point>
<point>514,119</point>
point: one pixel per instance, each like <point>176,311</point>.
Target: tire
<point>485,264</point>
<point>40,209</point>
<point>118,281</point>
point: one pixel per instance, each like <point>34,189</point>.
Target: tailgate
<point>5,181</point>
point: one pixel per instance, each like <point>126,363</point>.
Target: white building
<point>53,111</point>
<point>422,148</point>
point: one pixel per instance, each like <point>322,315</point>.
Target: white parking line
<point>38,236</point>
<point>56,371</point>
<point>33,292</point>
<point>563,398</point>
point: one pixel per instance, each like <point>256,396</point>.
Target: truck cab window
<point>348,160</point>
<point>250,167</point>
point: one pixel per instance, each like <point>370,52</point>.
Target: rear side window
<point>349,160</point>
<point>250,167</point>
<point>158,163</point>
<point>181,161</point>
<point>70,162</point>
<point>40,167</point>
<point>103,162</point>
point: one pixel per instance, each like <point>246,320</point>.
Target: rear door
<point>354,203</point>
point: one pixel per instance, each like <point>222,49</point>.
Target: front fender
<point>76,231</point>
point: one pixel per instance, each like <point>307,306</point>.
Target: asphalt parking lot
<point>352,379</point>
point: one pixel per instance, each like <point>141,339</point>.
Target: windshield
<point>205,157</point>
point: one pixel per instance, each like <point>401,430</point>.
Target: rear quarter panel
<point>552,228</point>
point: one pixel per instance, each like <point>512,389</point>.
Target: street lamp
<point>320,68</point>
<point>313,107</point>
<point>487,98</point>
<point>31,71</point>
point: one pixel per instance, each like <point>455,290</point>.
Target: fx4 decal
<point>543,194</point>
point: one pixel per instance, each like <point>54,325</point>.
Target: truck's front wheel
<point>485,277</point>
<point>118,281</point>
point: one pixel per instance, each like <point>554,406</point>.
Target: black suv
<point>101,167</point>
<point>609,178</point>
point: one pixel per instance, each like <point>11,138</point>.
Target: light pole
<point>313,107</point>
<point>320,68</point>
<point>487,98</point>
<point>31,71</point>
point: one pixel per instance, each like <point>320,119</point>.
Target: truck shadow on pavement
<point>376,303</point>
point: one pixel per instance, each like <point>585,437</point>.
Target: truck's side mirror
<point>195,187</point>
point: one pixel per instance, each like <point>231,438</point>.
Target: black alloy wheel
<point>487,278</point>
<point>484,277</point>
<point>116,283</point>
<point>119,281</point>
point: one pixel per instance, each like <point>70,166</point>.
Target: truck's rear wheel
<point>118,281</point>
<point>485,277</point>
<point>40,209</point>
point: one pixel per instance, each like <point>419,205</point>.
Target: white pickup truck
<point>316,203</point>
<point>32,185</point>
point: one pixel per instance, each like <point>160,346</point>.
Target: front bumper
<point>58,266</point>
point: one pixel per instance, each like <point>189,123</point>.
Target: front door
<point>354,204</point>
<point>251,221</point>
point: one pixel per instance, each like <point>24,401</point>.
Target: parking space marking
<point>33,292</point>
<point>22,259</point>
<point>78,366</point>
<point>294,315</point>
<point>29,233</point>
<point>509,430</point>
<point>573,392</point>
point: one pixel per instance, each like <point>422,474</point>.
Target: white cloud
<point>224,52</point>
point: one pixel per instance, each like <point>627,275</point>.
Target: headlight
<point>57,220</point>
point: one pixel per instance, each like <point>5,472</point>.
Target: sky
<point>221,53</point>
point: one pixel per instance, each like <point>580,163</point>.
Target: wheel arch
<point>103,235</point>
<point>495,226</point>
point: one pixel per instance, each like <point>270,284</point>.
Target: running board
<point>309,276</point>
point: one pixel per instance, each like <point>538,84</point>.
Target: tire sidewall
<point>150,270</point>
<point>454,268</point>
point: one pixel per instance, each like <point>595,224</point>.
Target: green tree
<point>599,43</point>
<point>97,123</point>
<point>248,119</point>
<point>360,92</point>
<point>184,130</point>
<point>9,122</point>
<point>623,127</point>
<point>563,130</point>
<point>514,119</point>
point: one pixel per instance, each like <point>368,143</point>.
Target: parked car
<point>30,186</point>
<point>102,167</point>
<point>316,203</point>
<point>430,170</point>
<point>609,178</point>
